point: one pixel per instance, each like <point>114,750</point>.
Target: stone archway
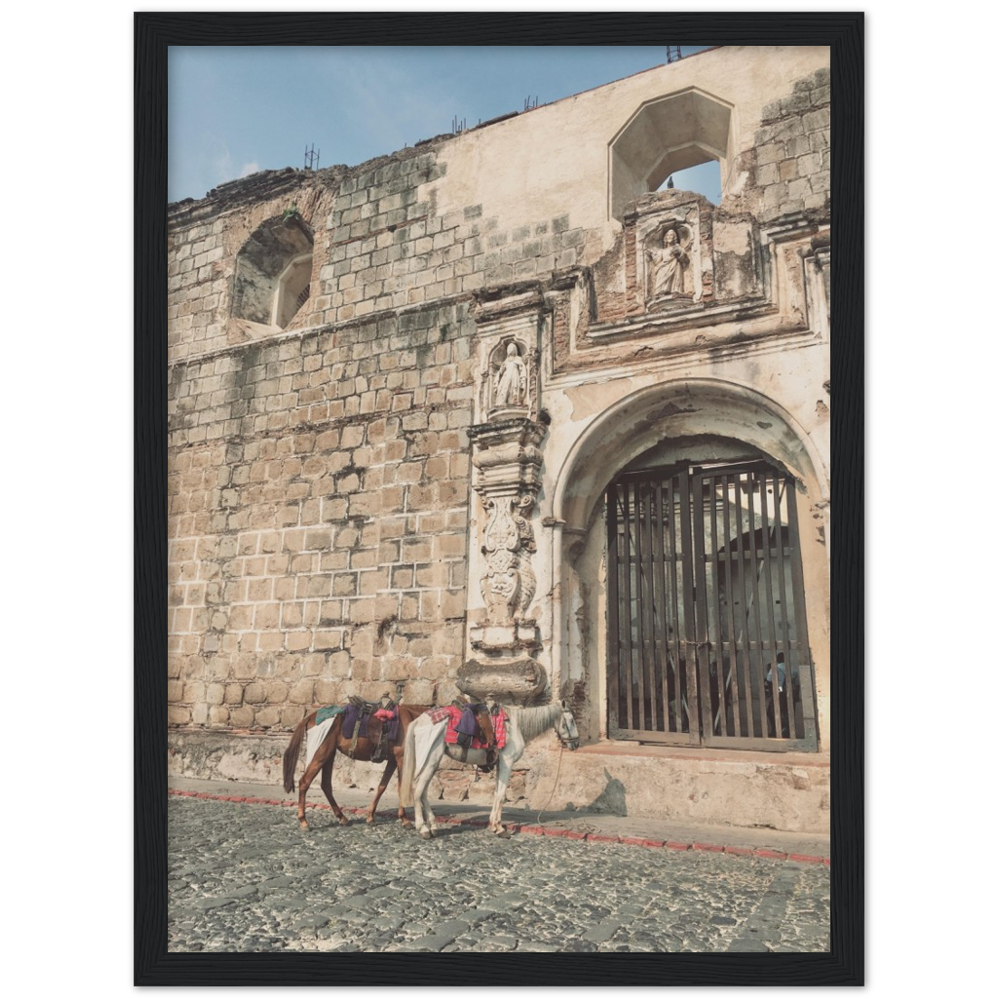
<point>697,419</point>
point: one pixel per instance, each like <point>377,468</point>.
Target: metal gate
<point>707,640</point>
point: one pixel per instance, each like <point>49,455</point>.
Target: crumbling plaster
<point>560,164</point>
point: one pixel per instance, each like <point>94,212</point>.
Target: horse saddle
<point>376,721</point>
<point>476,724</point>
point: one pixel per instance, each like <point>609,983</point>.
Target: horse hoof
<point>426,834</point>
<point>370,820</point>
<point>344,821</point>
<point>303,825</point>
<point>407,824</point>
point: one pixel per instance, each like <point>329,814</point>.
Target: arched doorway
<point>706,627</point>
<point>662,510</point>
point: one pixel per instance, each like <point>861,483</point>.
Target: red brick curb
<point>544,831</point>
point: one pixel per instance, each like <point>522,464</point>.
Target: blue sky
<point>234,110</point>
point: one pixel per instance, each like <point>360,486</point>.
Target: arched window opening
<point>666,137</point>
<point>273,271</point>
<point>293,290</point>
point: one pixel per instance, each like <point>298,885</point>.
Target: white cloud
<point>226,170</point>
<point>223,164</point>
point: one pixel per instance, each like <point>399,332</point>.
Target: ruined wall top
<point>598,149</point>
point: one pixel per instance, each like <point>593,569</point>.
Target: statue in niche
<point>668,267</point>
<point>510,384</point>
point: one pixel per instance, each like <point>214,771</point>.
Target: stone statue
<point>668,267</point>
<point>511,383</point>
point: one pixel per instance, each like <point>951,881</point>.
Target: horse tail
<point>291,757</point>
<point>409,765</point>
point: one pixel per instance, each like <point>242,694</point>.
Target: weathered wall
<point>319,505</point>
<point>331,484</point>
<point>448,217</point>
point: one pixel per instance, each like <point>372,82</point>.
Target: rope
<point>555,783</point>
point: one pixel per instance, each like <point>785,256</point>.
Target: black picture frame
<point>153,964</point>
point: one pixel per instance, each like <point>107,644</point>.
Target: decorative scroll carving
<point>506,456</point>
<point>508,584</point>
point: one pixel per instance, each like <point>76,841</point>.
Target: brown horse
<point>323,761</point>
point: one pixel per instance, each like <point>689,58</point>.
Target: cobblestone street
<point>244,878</point>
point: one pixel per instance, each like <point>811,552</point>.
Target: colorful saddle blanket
<point>328,713</point>
<point>462,723</point>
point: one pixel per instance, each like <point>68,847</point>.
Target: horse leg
<point>429,814</point>
<point>305,781</point>
<point>390,766</point>
<point>420,780</point>
<point>503,777</point>
<point>326,783</point>
<point>429,825</point>
<point>400,812</point>
<point>425,823</point>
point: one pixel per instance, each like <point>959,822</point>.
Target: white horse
<point>425,740</point>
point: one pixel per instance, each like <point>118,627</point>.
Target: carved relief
<point>510,383</point>
<point>507,462</point>
<point>508,584</point>
<point>669,270</point>
<point>507,378</point>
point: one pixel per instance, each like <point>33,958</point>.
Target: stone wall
<point>328,491</point>
<point>319,493</point>
<point>792,149</point>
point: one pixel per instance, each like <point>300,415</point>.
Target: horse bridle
<point>568,742</point>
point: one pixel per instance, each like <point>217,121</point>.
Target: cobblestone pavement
<point>245,878</point>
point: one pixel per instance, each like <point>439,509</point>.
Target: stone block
<point>798,189</point>
<point>788,170</point>
<point>361,610</point>
<point>814,121</point>
<point>298,641</point>
<point>241,717</point>
<point>277,690</point>
<point>268,717</point>
<point>255,693</point>
<point>301,692</point>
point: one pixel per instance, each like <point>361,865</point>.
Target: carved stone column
<point>503,636</point>
<point>507,461</point>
